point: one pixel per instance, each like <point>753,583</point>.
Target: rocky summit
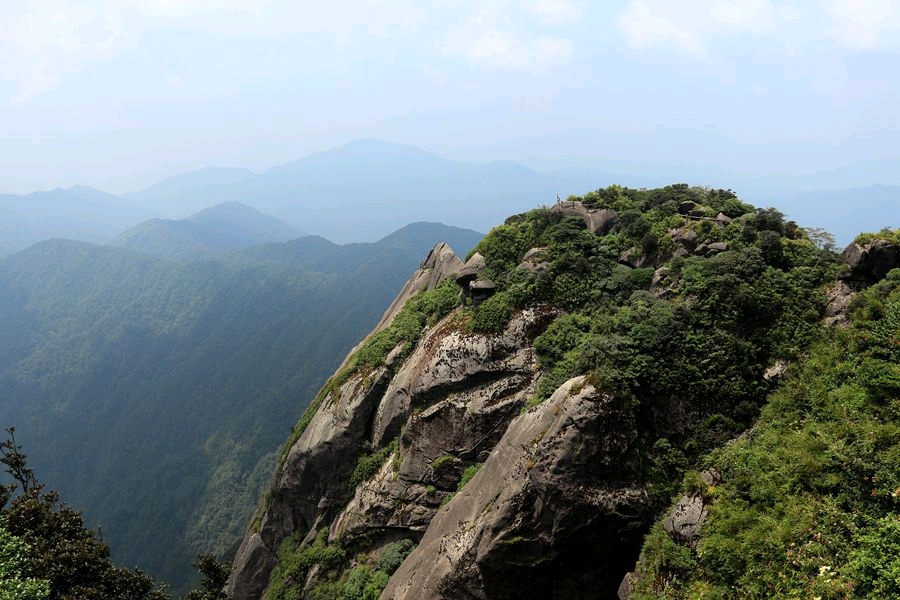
<point>546,419</point>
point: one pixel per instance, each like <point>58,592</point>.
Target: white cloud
<point>865,24</point>
<point>751,14</point>
<point>555,11</point>
<point>181,8</point>
<point>693,26</point>
<point>504,49</point>
<point>504,34</point>
<point>645,26</point>
<point>42,42</point>
<point>551,50</point>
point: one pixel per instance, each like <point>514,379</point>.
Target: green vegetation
<point>493,314</point>
<point>808,503</point>
<point>467,476</point>
<point>891,235</point>
<point>425,308</point>
<point>369,462</point>
<point>15,556</point>
<point>701,338</point>
<point>121,369</point>
<point>294,560</point>
<point>362,578</point>
<point>46,553</point>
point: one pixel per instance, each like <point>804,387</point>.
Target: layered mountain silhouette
<point>153,393</point>
<point>78,213</point>
<point>210,232</point>
<point>364,190</point>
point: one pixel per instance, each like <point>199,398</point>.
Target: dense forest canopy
<point>154,394</point>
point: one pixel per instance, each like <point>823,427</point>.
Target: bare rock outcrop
<point>598,221</point>
<point>440,264</point>
<point>870,261</point>
<point>449,360</point>
<point>548,504</point>
<point>313,481</point>
<point>453,398</point>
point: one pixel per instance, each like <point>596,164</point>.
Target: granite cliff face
<point>553,496</point>
<point>523,441</point>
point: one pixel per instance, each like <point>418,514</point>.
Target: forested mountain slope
<point>152,394</point>
<point>517,428</point>
<point>807,503</point>
<point>211,232</point>
<point>78,212</point>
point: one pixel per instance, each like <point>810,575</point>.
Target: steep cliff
<point>514,430</point>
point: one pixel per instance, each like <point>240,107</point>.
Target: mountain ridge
<point>189,369</point>
<point>517,427</point>
<point>213,231</point>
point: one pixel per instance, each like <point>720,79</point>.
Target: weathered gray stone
<point>440,264</point>
<point>777,371</point>
<point>559,474</point>
<point>447,358</point>
<point>481,290</point>
<point>838,296</point>
<point>535,253</point>
<point>687,206</point>
<point>633,258</point>
<point>470,270</point>
<point>685,520</point>
<point>723,220</point>
<point>626,588</point>
<point>661,283</point>
<point>313,482</point>
<point>716,247</point>
<point>871,261</point>
<point>598,221</point>
<point>685,237</point>
<point>533,261</point>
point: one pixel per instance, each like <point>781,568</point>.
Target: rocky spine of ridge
<point>312,481</point>
<point>561,501</point>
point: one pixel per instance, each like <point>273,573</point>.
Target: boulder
<point>481,290</point>
<point>633,258</point>
<point>448,360</point>
<point>598,221</point>
<point>534,261</point>
<point>661,284</point>
<point>685,237</point>
<point>687,207</point>
<point>534,253</point>
<point>685,520</point>
<point>837,304</point>
<point>723,220</point>
<point>871,261</point>
<point>716,247</point>
<point>470,270</point>
<point>776,371</point>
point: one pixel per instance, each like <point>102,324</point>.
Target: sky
<point>120,93</point>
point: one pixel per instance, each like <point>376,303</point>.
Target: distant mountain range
<point>152,394</point>
<point>364,190</point>
<point>78,213</point>
<point>211,232</point>
<point>167,194</point>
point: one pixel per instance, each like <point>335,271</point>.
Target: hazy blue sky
<point>118,93</point>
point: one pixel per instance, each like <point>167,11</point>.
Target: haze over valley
<point>410,300</point>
